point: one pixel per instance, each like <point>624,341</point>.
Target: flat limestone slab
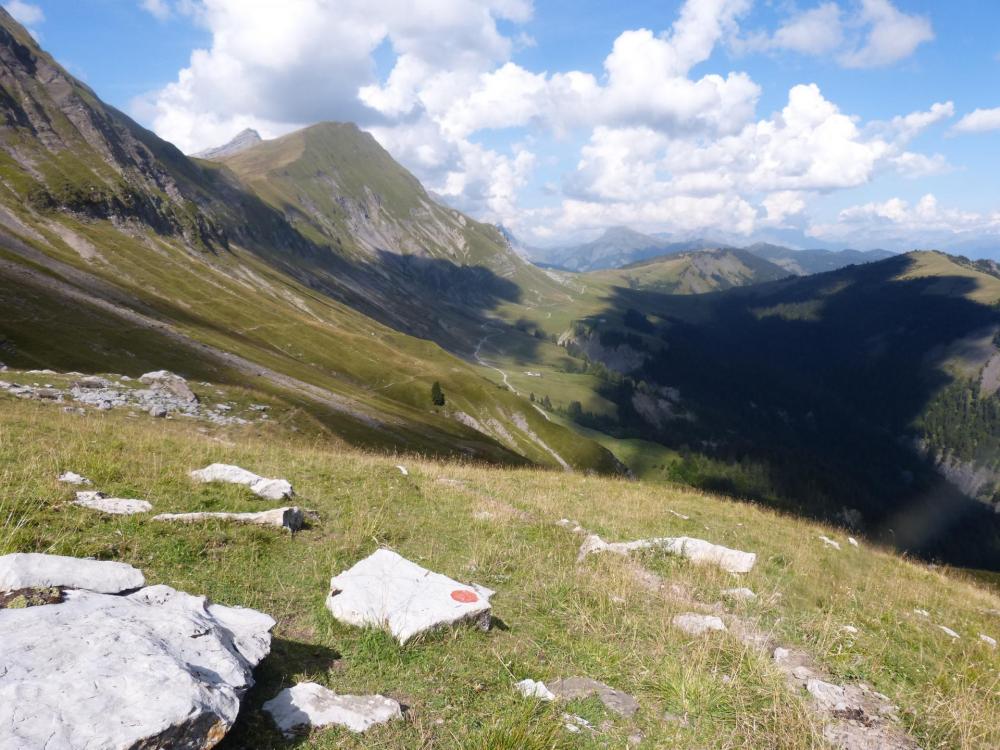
<point>29,570</point>
<point>387,590</point>
<point>288,518</point>
<point>114,505</point>
<point>697,550</point>
<point>309,704</point>
<point>269,489</point>
<point>156,669</point>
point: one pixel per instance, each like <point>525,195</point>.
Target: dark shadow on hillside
<point>817,383</point>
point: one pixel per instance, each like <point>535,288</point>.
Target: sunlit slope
<point>854,611</point>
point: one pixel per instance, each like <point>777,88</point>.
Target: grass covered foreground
<point>555,617</point>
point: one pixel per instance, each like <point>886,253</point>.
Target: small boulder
<point>28,570</point>
<point>387,590</point>
<point>949,632</point>
<point>157,412</point>
<point>168,382</point>
<point>312,705</point>
<point>991,642</point>
<point>695,624</point>
<point>532,689</point>
<point>402,470</point>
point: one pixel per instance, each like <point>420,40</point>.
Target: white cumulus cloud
<point>979,121</point>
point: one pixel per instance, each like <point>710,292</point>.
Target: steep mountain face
<point>692,272</point>
<point>241,142</point>
<point>806,262</point>
<point>120,254</point>
<point>617,247</point>
<point>852,395</point>
<point>390,247</point>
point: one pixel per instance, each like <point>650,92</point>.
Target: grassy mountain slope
<point>119,253</point>
<point>692,273</point>
<point>559,618</point>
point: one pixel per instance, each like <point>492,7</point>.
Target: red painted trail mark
<point>466,597</point>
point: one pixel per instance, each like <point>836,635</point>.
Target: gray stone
<point>312,705</point>
<point>168,382</point>
<point>288,518</point>
<point>113,505</point>
<point>572,688</point>
<point>695,624</point>
<point>388,591</point>
<point>269,489</point>
<point>157,669</point>
<point>157,412</point>
<point>697,550</point>
<point>740,594</point>
<point>29,570</point>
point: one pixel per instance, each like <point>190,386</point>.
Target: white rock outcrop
<point>114,505</point>
<point>697,550</point>
<point>385,590</point>
<point>695,624</point>
<point>288,518</point>
<point>269,489</point>
<point>309,704</point>
<point>29,570</point>
<point>155,669</point>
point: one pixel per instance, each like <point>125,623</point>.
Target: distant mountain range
<point>620,246</point>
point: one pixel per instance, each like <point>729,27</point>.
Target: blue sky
<point>738,119</point>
